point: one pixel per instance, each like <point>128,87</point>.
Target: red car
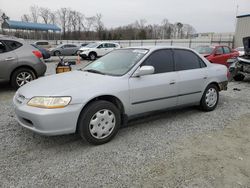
<point>217,54</point>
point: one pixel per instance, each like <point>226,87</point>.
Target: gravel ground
<point>131,159</point>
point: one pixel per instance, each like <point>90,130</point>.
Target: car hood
<point>85,48</point>
<point>64,84</point>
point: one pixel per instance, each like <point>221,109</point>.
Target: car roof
<point>152,48</point>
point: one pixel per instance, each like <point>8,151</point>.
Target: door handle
<point>205,77</point>
<point>172,82</point>
<point>9,58</point>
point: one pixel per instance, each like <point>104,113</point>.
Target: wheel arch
<point>110,98</point>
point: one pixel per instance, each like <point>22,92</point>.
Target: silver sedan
<point>96,100</point>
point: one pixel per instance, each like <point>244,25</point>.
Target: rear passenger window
<point>12,44</point>
<point>161,60</point>
<point>185,60</point>
<point>3,48</point>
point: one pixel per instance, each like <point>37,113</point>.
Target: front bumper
<point>47,121</point>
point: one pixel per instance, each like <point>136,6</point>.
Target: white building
<point>242,29</point>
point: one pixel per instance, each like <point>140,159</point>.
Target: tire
<point>210,98</point>
<point>239,77</point>
<point>21,76</point>
<point>92,56</point>
<point>57,53</point>
<point>99,130</point>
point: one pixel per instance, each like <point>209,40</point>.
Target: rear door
<point>8,58</point>
<point>192,75</point>
<point>156,91</point>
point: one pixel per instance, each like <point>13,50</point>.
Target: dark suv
<point>20,62</point>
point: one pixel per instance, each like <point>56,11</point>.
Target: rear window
<point>13,44</point>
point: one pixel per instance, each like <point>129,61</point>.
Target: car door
<point>192,76</point>
<point>101,50</point>
<point>110,48</point>
<point>8,60</point>
<point>67,49</point>
<point>156,91</point>
<point>218,56</point>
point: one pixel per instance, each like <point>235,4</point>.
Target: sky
<point>203,15</point>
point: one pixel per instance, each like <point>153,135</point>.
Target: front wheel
<point>92,56</point>
<point>239,77</point>
<point>99,122</point>
<point>210,98</point>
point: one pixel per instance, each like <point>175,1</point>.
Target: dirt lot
<point>180,148</point>
<point>212,159</point>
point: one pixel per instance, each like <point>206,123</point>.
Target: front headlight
<point>49,102</point>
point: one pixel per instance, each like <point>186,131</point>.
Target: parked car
<point>20,63</point>
<point>217,54</point>
<point>96,100</point>
<point>97,49</point>
<point>240,50</point>
<point>64,49</point>
<point>43,44</point>
<point>45,53</point>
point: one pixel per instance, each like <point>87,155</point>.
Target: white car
<point>96,100</point>
<point>97,49</point>
<point>240,50</point>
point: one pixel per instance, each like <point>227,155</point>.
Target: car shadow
<point>5,86</point>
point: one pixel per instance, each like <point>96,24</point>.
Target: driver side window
<point>219,50</point>
<point>161,60</point>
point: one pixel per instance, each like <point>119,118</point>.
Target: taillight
<point>37,53</point>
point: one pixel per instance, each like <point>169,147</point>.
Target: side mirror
<point>144,70</point>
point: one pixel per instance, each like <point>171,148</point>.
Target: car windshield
<point>92,45</point>
<point>204,49</point>
<point>116,63</point>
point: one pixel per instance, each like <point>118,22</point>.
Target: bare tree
<point>62,15</point>
<point>99,26</point>
<point>90,21</point>
<point>25,18</point>
<point>45,14</point>
<point>34,13</point>
<point>52,17</point>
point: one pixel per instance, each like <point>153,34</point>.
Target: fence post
<point>190,43</point>
<point>141,42</point>
<point>171,43</point>
<point>129,43</point>
<point>155,42</point>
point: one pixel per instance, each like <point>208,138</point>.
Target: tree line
<point>77,26</point>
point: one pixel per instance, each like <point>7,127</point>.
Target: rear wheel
<point>99,122</point>
<point>210,98</point>
<point>239,77</point>
<point>57,53</point>
<point>21,77</point>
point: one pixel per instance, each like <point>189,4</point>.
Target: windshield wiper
<point>94,71</point>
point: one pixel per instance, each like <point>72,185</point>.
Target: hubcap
<point>23,78</point>
<point>211,97</point>
<point>102,124</point>
<point>92,57</point>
